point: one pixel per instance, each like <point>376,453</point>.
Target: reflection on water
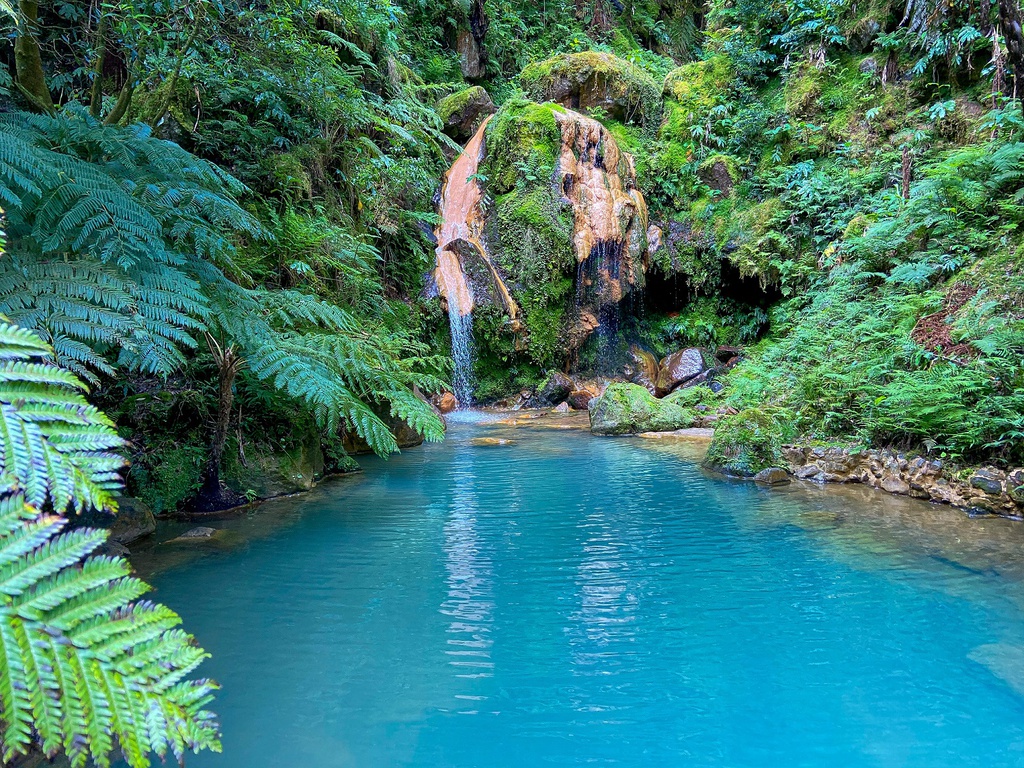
<point>569,600</point>
<point>469,603</point>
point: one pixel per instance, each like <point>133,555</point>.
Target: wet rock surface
<point>554,390</point>
<point>679,368</point>
<point>592,79</point>
<point>988,490</point>
<point>446,402</point>
<point>772,476</point>
<point>579,400</point>
<point>134,519</point>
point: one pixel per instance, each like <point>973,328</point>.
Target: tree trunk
<point>213,495</point>
<point>1013,37</point>
<point>124,100</point>
<point>96,93</point>
<point>906,173</point>
<point>891,69</point>
<point>28,61</point>
<point>172,82</point>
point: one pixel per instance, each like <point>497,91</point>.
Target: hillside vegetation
<point>218,219</point>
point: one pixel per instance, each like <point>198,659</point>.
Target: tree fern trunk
<point>28,62</point>
<point>1013,37</point>
<point>213,495</point>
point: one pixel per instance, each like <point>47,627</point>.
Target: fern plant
<point>125,250</point>
<point>86,668</point>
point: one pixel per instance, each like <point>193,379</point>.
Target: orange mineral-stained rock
<point>609,212</point>
<point>460,244</point>
<point>446,402</point>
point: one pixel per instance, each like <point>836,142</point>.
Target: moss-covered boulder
<point>595,80</point>
<point>265,470</point>
<point>629,409</point>
<point>463,111</point>
<point>750,441</point>
<point>567,229</point>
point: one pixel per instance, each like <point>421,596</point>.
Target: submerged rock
<point>629,409</point>
<point>691,433</point>
<point>983,493</point>
<point>491,442</point>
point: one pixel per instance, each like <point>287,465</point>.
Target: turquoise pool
<point>569,600</point>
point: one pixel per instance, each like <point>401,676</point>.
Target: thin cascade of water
<point>462,355</point>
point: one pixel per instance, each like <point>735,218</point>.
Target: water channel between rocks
<point>528,594</point>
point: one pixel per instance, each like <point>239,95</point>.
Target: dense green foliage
<point>84,665</point>
<point>219,219</point>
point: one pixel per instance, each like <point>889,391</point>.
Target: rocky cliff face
<point>461,254</point>
<point>542,227</point>
<point>609,212</point>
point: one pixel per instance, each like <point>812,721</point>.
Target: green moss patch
<point>629,409</point>
<point>749,441</point>
<point>596,79</point>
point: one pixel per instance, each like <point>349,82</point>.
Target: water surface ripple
<point>569,600</point>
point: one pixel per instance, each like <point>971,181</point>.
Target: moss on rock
<point>629,409</point>
<point>529,233</point>
<point>523,141</point>
<point>275,470</point>
<point>593,79</point>
<point>749,441</point>
<point>463,111</point>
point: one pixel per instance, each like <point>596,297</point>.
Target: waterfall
<point>462,355</point>
<point>460,236</point>
<point>461,223</point>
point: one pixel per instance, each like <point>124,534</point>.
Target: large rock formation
<point>563,232</point>
<point>609,212</point>
<point>463,112</point>
<point>462,257</point>
<point>629,409</point>
<point>595,80</point>
<point>543,233</point>
<point>469,42</point>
